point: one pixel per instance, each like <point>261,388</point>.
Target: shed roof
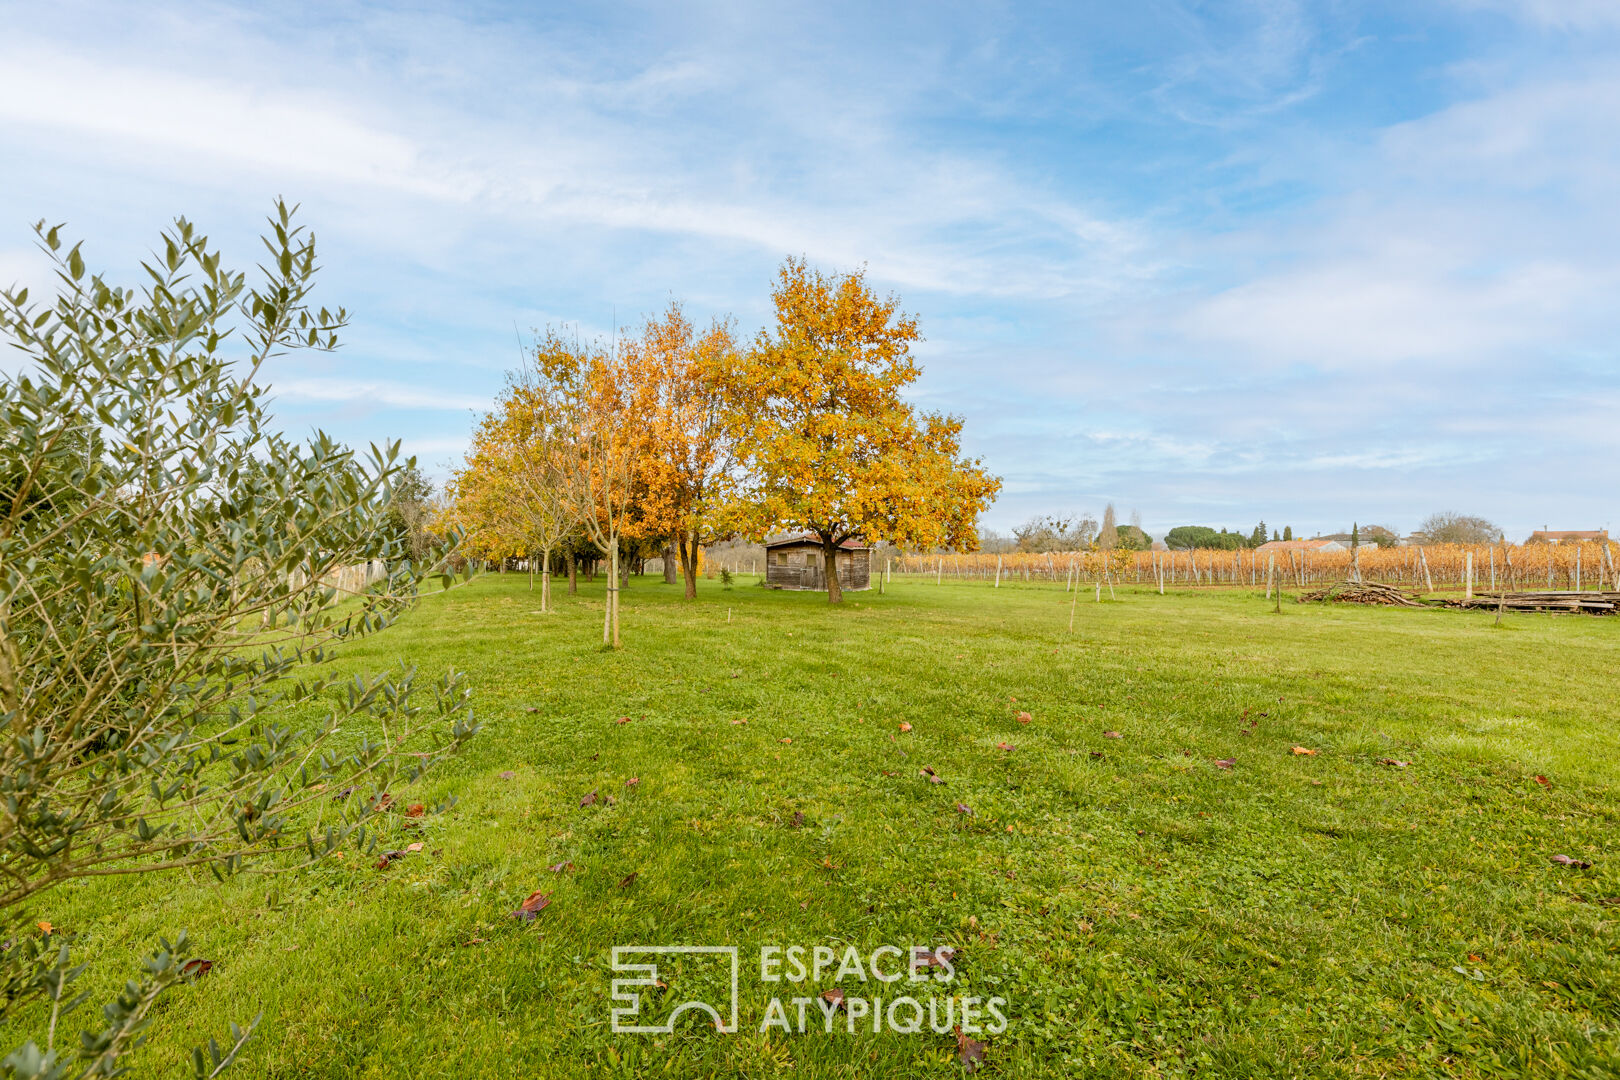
<point>815,541</point>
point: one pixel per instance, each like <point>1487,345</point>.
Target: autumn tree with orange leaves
<point>689,476</point>
<point>830,446</point>
<point>512,494</point>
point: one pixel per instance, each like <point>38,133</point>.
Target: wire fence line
<point>1429,568</point>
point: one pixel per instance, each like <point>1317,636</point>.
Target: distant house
<point>797,562</point>
<point>1567,536</point>
<point>1280,546</point>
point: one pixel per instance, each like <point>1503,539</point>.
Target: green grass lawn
<point>1141,910</point>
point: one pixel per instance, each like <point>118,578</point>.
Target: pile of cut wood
<point>1592,603</point>
<point>1362,592</point>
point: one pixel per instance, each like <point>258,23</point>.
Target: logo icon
<point>626,1015</point>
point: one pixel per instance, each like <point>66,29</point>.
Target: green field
<point>1142,911</point>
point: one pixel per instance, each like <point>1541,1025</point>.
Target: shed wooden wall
<point>805,565</point>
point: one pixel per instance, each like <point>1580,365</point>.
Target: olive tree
<point>174,576</point>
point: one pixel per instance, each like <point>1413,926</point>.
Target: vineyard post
<point>1549,566</point>
<point>1099,588</point>
<point>939,570</point>
<point>1423,560</point>
<point>1468,575</point>
<point>1577,567</point>
<point>1073,600</point>
<point>1355,564</point>
<point>998,573</point>
<point>1278,598</point>
<point>1159,567</point>
<point>1271,572</point>
<point>1493,567</point>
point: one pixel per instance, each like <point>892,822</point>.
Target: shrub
<point>168,593</point>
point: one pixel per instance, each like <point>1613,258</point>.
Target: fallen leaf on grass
<point>887,772</point>
<point>622,720</point>
<point>633,781</point>
<point>45,928</point>
<point>472,941</point>
<point>1543,781</point>
<point>1225,762</point>
<point>589,799</point>
<point>1009,747</point>
<point>933,777</point>
<point>196,969</point>
<point>416,810</point>
<point>787,741</point>
<point>1301,751</point>
<point>963,808</point>
<point>414,847</point>
<point>389,857</point>
<point>970,1052</point>
<point>826,863</point>
<point>508,775</point>
<point>1576,864</point>
<point>1475,958</point>
<point>561,868</point>
<point>1112,735</point>
<point>798,819</point>
<point>1024,718</point>
<point>736,722</point>
<point>532,907</point>
<point>835,995</point>
<point>924,957</point>
<point>904,726</point>
<point>1392,761</point>
<point>1096,753</point>
<point>629,879</point>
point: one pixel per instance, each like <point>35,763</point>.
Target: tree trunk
<point>607,601</point>
<point>573,573</point>
<point>615,606</point>
<point>670,559</point>
<point>835,591</point>
<point>688,553</point>
<point>545,581</point>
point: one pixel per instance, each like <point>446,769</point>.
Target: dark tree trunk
<point>573,573</point>
<point>835,591</point>
<point>689,552</point>
<point>670,561</point>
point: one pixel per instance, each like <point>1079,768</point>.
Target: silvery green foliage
<point>167,564</point>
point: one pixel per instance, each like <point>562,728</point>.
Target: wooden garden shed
<point>797,562</point>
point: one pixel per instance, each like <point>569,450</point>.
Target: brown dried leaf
<point>798,819</point>
<point>1024,718</point>
<point>1112,735</point>
<point>196,968</point>
<point>1543,781</point>
<point>785,741</point>
<point>1392,761</point>
<point>963,808</point>
<point>629,879</point>
<point>633,781</point>
<point>1009,747</point>
<point>588,799</point>
<point>1096,753</point>
<point>389,857</point>
<point>1300,751</point>
<point>45,928</point>
<point>924,957</point>
<point>835,995</point>
<point>735,722</point>
<point>1225,762</point>
<point>415,847</point>
<point>622,720</point>
<point>1575,864</point>
<point>532,907</point>
<point>904,726</point>
<point>970,1052</point>
<point>508,775</point>
<point>415,810</point>
<point>561,868</point>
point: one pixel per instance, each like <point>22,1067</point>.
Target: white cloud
<point>374,392</point>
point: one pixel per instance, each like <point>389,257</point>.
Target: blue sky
<point>1313,263</point>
